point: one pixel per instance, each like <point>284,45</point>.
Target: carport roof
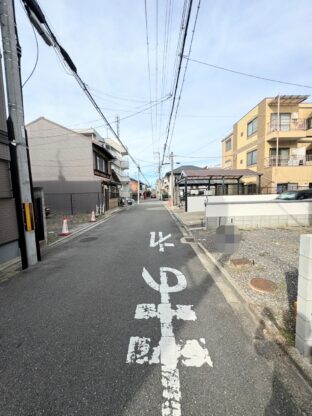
<point>217,173</point>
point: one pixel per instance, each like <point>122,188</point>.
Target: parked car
<point>153,196</point>
<point>293,195</point>
<point>165,196</point>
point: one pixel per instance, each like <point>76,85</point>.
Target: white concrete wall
<point>260,208</point>
<point>304,316</point>
<point>197,203</point>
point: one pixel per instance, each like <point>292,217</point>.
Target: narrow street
<point>74,342</point>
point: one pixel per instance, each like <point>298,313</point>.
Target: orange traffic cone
<point>93,219</point>
<point>64,228</point>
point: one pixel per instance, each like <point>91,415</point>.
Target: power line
<point>38,19</point>
<point>37,54</point>
<point>185,69</point>
<point>149,68</point>
<point>246,74</point>
<point>178,75</point>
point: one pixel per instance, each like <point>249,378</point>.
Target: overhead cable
<point>43,28</point>
<point>245,74</point>
<point>177,77</point>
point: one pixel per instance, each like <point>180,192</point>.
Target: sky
<point>107,42</point>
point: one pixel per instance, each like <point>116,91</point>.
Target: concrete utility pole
<point>277,137</point>
<point>16,114</point>
<point>172,178</point>
<point>138,185</point>
<point>117,125</point>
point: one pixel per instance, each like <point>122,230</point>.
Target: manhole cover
<point>189,239</point>
<point>263,285</point>
<point>241,262</point>
<point>87,239</point>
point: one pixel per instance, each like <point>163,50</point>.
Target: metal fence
<point>251,189</point>
<point>73,203</point>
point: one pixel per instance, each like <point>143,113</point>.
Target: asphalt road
<point>66,325</point>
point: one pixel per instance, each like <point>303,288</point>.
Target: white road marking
<point>161,241</point>
<point>190,353</point>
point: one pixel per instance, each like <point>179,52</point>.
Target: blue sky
<point>107,42</point>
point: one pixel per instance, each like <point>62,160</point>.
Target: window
<point>100,164</point>
<point>252,126</point>
<point>228,145</point>
<point>252,158</point>
<point>284,122</point>
<point>309,123</point>
<point>228,164</point>
<point>283,156</point>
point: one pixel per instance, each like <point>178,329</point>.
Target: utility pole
<point>16,118</point>
<point>138,185</point>
<point>277,137</point>
<point>159,176</point>
<point>172,178</point>
<point>117,125</point>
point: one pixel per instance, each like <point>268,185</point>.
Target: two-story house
<point>274,138</point>
<point>73,168</point>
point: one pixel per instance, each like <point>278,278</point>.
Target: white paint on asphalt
<point>161,241</point>
<point>190,353</point>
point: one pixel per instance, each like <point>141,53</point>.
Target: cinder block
<point>304,308</point>
<point>305,267</point>
<point>306,245</point>
<point>304,346</point>
<point>305,287</point>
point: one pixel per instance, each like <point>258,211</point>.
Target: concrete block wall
<point>197,203</point>
<point>251,222</point>
<point>304,300</point>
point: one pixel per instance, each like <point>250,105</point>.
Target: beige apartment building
<point>275,139</point>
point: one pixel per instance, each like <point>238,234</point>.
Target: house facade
<point>273,138</point>
<point>73,168</point>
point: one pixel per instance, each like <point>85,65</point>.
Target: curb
<point>300,363</point>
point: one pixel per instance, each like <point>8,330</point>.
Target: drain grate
<point>87,239</point>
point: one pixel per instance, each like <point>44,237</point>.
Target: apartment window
<point>283,156</point>
<point>284,121</point>
<point>309,123</point>
<point>252,158</point>
<point>252,126</point>
<point>228,164</point>
<point>228,145</point>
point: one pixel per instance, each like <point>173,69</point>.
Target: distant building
<point>73,168</point>
<point>177,173</point>
<point>120,165</point>
<point>134,188</point>
<point>257,135</point>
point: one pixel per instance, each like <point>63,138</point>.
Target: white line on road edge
<point>161,241</point>
<point>192,353</point>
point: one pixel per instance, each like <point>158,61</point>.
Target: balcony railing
<point>291,125</point>
<point>124,164</point>
<point>288,161</point>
